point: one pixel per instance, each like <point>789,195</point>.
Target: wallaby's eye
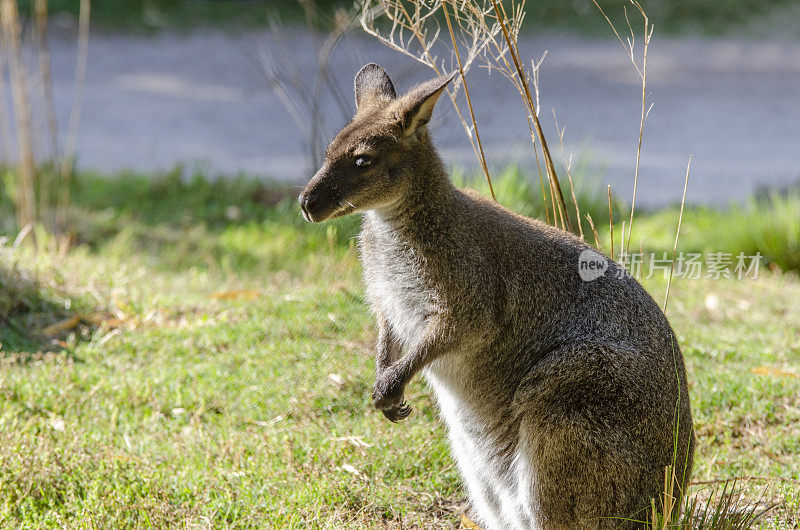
<point>363,161</point>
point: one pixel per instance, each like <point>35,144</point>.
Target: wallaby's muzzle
<point>317,201</point>
<point>309,201</point>
<point>313,208</point>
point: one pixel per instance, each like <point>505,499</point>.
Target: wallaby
<point>564,398</point>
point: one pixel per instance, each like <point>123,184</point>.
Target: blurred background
<point>204,84</point>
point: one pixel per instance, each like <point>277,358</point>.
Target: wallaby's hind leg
<point>599,425</point>
<point>580,485</point>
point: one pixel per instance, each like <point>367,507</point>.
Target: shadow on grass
<point>174,222</point>
<point>25,311</point>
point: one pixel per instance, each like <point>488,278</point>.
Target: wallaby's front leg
<point>388,351</point>
<point>391,382</point>
<point>388,347</point>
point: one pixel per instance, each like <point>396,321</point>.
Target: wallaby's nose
<point>308,201</point>
<point>312,199</point>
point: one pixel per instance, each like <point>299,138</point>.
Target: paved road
<point>201,99</point>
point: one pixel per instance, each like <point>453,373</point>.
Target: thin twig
<point>469,101</point>
<point>611,221</point>
<point>74,118</point>
<point>551,171</point>
<point>26,199</point>
<point>568,168</point>
<point>677,232</point>
<point>594,231</point>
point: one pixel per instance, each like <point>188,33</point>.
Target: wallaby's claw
<point>398,413</point>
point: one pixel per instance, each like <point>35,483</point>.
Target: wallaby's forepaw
<point>398,413</point>
<point>387,394</point>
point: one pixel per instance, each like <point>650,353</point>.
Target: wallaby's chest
<point>399,284</point>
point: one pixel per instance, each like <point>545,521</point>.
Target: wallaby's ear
<point>372,86</point>
<point>417,106</point>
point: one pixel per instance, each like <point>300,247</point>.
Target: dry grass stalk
<point>629,46</point>
<point>30,182</point>
<point>496,60</point>
<point>71,142</point>
<point>5,125</point>
<point>594,231</point>
<point>541,178</point>
<point>535,81</point>
<point>45,82</point>
<point>43,48</point>
<point>677,232</point>
<point>641,253</point>
<point>669,502</point>
<point>25,195</point>
<point>482,156</point>
<point>501,65</point>
<point>747,478</point>
<point>413,30</point>
<point>511,42</point>
<point>568,169</point>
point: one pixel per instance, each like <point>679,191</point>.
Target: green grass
<point>205,398</point>
<point>672,16</point>
<point>769,225</point>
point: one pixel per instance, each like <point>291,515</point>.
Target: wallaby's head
<point>373,160</point>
